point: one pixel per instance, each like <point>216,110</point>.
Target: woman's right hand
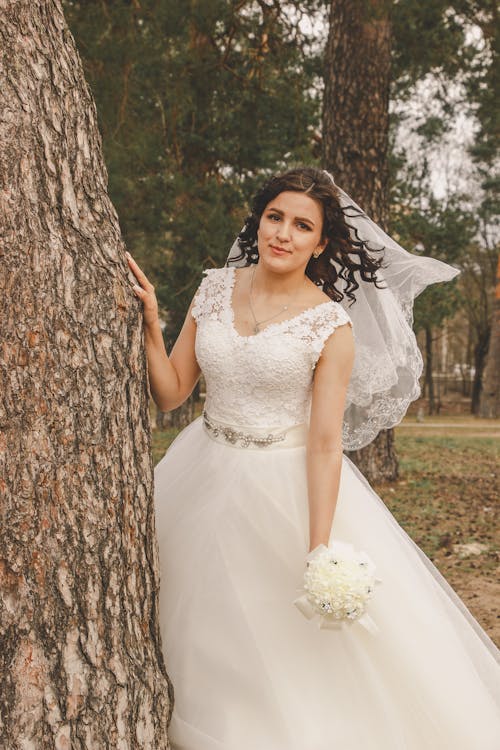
<point>145,292</point>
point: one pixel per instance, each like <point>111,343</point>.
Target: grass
<point>447,495</point>
<point>161,440</point>
<point>447,485</point>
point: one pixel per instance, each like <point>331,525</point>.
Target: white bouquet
<point>338,582</point>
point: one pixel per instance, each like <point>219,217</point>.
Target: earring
<point>316,255</point>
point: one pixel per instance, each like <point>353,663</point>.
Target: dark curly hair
<point>344,253</point>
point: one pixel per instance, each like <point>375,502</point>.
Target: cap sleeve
<point>329,318</point>
<point>208,298</point>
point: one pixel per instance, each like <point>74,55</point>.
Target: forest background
<point>199,101</point>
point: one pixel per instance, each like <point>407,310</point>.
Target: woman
<point>252,488</point>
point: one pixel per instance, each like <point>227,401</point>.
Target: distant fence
<point>451,382</point>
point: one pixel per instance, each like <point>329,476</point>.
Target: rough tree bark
<point>80,656</point>
<point>357,74</point>
<point>490,397</point>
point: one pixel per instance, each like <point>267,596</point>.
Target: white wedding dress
<point>249,671</point>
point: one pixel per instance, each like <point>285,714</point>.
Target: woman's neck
<point>269,283</point>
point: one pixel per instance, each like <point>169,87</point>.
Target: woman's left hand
<point>146,292</point>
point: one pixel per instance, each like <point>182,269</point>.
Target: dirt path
<point>452,425</point>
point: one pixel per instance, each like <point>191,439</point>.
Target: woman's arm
<point>324,443</point>
<point>171,379</point>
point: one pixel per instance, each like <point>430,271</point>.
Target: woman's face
<point>290,231</point>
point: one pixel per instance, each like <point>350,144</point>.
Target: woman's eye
<point>273,216</point>
<point>304,226</point>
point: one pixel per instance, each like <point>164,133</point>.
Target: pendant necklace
<point>257,324</point>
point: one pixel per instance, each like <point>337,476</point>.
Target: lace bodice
<point>263,380</point>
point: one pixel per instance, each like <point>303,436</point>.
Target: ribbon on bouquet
<point>329,622</point>
<point>338,566</point>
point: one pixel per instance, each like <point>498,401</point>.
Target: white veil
<point>388,362</point>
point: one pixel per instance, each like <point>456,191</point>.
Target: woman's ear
<point>320,247</point>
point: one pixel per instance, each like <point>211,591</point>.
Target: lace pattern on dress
<point>313,325</point>
<point>209,298</point>
<point>262,380</point>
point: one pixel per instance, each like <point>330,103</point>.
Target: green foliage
<point>430,37</point>
<point>483,81</point>
<point>197,101</point>
<point>443,232</point>
<point>455,41</point>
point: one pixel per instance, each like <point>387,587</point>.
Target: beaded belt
<point>288,437</point>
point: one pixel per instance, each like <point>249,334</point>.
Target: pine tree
<point>355,140</point>
<point>81,662</point>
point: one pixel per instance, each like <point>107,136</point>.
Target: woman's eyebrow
<point>299,218</point>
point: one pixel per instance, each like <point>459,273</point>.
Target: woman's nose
<point>283,232</point>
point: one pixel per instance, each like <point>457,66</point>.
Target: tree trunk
<point>177,418</point>
<point>378,460</point>
<point>490,397</point>
<point>429,380</point>
<point>81,663</point>
<point>480,354</point>
<point>357,73</point>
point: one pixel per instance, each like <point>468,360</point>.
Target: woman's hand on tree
<point>145,292</point>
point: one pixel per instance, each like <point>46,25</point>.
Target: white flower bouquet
<point>338,583</point>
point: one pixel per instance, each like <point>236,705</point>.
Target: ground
<point>446,499</point>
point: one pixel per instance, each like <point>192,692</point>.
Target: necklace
<point>257,324</point>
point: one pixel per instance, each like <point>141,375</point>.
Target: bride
<point>305,342</point>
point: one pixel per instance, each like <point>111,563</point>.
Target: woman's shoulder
<point>339,318</point>
<point>218,278</point>
<point>210,291</point>
<point>328,309</point>
<point>326,316</point>
<point>217,271</point>
<point>324,320</point>
<point>215,276</point>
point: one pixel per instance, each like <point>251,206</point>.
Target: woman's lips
<point>279,250</point>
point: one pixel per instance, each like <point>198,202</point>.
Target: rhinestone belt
<point>283,438</point>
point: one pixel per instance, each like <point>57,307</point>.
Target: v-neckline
<point>229,303</point>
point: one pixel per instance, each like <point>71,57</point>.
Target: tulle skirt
<point>250,672</point>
